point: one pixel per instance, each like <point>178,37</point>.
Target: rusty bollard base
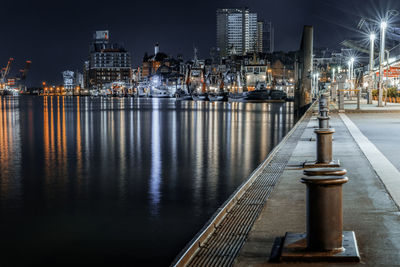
<point>295,249</point>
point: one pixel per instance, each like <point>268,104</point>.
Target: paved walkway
<point>369,208</point>
<point>383,130</point>
<point>351,106</point>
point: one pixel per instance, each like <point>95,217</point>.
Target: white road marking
<point>388,173</point>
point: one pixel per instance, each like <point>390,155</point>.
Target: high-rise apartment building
<point>240,32</point>
<point>236,31</point>
<point>108,62</point>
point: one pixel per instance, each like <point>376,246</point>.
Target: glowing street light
<point>381,58</point>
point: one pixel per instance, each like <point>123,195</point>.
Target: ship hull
<point>199,97</point>
<point>184,97</point>
<point>257,95</point>
<point>218,97</point>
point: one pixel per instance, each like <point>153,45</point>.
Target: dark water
<point>121,182</point>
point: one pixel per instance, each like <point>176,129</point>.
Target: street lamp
<point>371,66</point>
<point>381,58</point>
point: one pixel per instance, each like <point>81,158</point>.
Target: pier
<point>249,228</point>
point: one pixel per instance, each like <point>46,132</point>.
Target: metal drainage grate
<point>224,244</point>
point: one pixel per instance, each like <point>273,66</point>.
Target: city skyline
<point>61,41</point>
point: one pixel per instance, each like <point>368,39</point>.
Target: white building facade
<point>237,31</point>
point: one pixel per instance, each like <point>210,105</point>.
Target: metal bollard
<point>324,212</point>
<point>324,145</point>
<point>324,239</point>
<point>323,122</point>
<point>323,148</point>
<point>341,100</point>
<point>322,102</point>
<point>334,93</point>
<point>324,112</point>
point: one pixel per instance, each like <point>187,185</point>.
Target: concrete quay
<point>365,145</point>
<point>251,228</point>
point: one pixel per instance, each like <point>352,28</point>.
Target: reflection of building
<point>108,62</point>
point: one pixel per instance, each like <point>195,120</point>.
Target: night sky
<point>55,34</point>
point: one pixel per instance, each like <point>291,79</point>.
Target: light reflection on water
<point>113,181</point>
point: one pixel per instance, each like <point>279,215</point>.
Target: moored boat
<point>222,96</point>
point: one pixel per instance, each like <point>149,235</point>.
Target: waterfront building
<point>68,78</point>
<point>160,74</point>
<point>108,62</point>
<point>79,80</point>
<point>150,64</point>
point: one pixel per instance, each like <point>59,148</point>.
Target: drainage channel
<point>223,244</point>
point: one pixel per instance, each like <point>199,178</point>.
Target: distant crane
<point>5,72</point>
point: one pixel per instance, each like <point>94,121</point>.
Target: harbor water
<point>121,181</point>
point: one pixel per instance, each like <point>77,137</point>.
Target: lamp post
<point>348,70</point>
<point>371,66</point>
<point>313,85</point>
<point>352,72</point>
<point>381,58</point>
